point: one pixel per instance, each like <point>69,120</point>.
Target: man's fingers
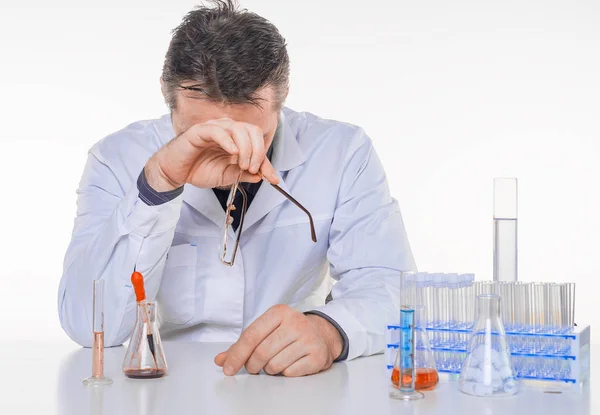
<point>232,172</point>
<point>302,367</point>
<point>241,350</point>
<point>268,172</point>
<point>285,358</point>
<point>258,147</point>
<point>220,358</point>
<point>240,135</point>
<point>269,348</point>
<point>242,141</point>
<point>200,134</point>
<point>251,178</point>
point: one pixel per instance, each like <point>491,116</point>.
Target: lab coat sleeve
<point>114,231</point>
<point>368,249</point>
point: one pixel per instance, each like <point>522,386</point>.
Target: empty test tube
<point>569,300</point>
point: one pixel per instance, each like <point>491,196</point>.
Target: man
<point>153,196</point>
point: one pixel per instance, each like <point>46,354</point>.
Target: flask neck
<point>146,311</point>
<point>488,306</point>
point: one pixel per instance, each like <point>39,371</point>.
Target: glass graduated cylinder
<point>505,229</point>
<point>403,374</point>
<point>97,378</point>
<point>406,350</point>
<point>505,250</point>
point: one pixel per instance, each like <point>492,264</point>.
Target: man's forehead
<point>194,109</point>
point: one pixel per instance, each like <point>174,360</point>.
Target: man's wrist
<point>330,335</point>
<point>150,196</point>
<point>156,179</point>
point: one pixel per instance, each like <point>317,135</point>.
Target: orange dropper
<point>138,286</point>
<point>137,279</point>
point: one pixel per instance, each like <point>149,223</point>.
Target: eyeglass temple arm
<point>294,201</point>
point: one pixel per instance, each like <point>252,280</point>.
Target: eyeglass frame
<point>228,220</point>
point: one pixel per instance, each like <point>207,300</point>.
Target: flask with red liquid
<point>145,357</point>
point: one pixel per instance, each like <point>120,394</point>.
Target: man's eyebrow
<point>193,88</point>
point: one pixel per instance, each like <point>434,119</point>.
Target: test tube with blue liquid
<point>404,371</point>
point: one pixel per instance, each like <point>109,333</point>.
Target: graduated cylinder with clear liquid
<point>505,230</point>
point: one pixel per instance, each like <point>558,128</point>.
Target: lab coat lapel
<point>205,202</point>
<point>287,154</point>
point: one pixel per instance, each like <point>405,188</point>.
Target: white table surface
<point>46,379</point>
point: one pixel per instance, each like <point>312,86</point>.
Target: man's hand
<point>283,341</point>
<point>211,154</point>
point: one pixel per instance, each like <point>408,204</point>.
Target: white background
<point>452,93</point>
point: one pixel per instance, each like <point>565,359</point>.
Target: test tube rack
<point>560,360</point>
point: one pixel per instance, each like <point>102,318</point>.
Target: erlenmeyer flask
<point>426,374</point>
<point>488,369</point>
<point>145,358</point>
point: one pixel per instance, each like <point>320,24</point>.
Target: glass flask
<point>488,369</point>
<point>145,358</point>
<point>426,374</point>
<point>403,374</point>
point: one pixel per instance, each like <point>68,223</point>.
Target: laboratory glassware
<point>145,357</point>
<point>426,374</point>
<point>97,378</point>
<point>505,229</point>
<point>488,369</point>
<point>403,374</point>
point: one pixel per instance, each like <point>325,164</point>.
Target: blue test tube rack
<point>557,359</point>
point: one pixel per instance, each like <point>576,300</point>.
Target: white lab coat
<point>330,167</point>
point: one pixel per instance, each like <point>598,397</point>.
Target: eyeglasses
<point>229,220</point>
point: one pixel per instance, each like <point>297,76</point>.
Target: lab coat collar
<point>287,153</point>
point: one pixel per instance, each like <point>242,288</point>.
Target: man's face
<point>193,109</point>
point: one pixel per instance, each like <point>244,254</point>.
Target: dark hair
<point>230,53</point>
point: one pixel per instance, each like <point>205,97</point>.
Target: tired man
<point>154,196</point>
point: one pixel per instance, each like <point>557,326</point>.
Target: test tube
<point>568,310</point>
<point>404,372</point>
<point>97,378</point>
<point>505,229</point>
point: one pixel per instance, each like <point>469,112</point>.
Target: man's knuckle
<point>304,325</point>
<point>272,368</point>
<point>261,355</point>
<point>280,308</point>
